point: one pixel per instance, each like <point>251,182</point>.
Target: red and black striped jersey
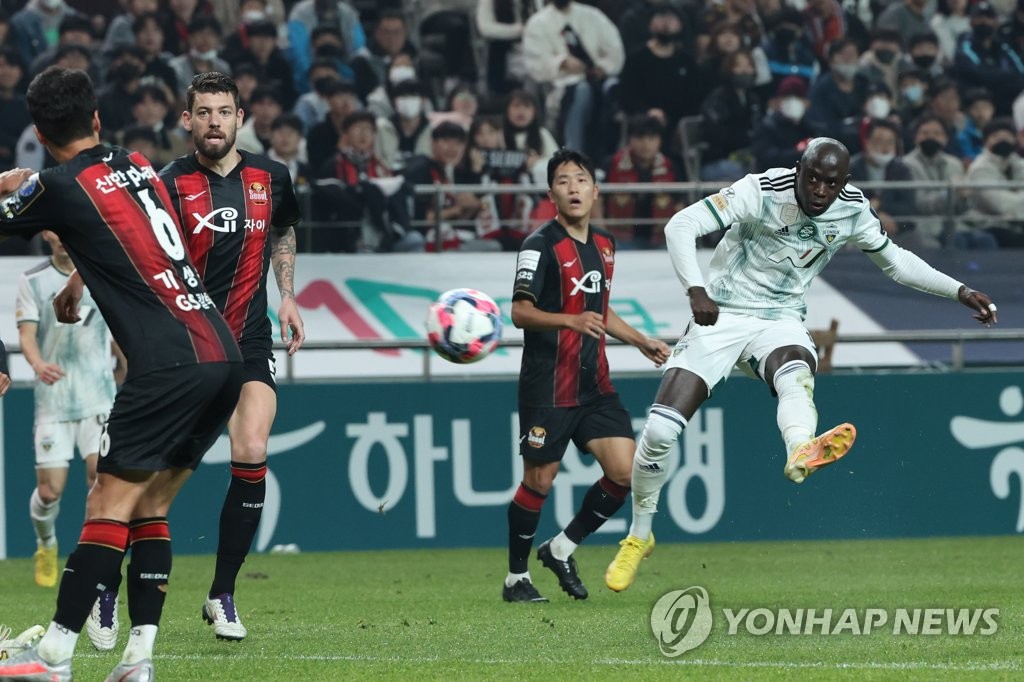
<point>116,221</point>
<point>562,368</point>
<point>227,221</point>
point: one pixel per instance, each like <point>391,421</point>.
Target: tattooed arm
<point>282,260</point>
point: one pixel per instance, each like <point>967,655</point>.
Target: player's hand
<point>12,179</point>
<point>291,321</point>
<point>65,303</point>
<point>48,373</point>
<point>655,350</point>
<point>589,323</point>
<point>5,383</point>
<point>705,311</point>
<point>983,306</point>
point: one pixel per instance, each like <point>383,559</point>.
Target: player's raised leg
<point>523,517</point>
<point>249,429</point>
<point>44,506</point>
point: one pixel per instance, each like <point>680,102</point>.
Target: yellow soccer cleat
<point>46,565</point>
<point>622,570</point>
<point>819,452</point>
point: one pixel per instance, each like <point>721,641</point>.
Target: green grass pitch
<point>437,614</point>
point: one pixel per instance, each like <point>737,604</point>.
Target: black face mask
<point>930,147</point>
<point>560,4</point>
<point>1002,149</point>
<point>885,56</point>
<point>924,61</point>
<point>743,80</point>
<point>785,36</point>
<point>667,38</point>
<point>983,31</point>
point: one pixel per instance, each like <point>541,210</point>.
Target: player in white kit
<point>74,392</point>
<point>783,227</point>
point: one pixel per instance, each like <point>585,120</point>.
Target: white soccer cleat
<point>102,626</point>
<point>12,646</point>
<point>27,666</point>
<point>220,612</point>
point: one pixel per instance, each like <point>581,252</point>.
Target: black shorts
<point>169,418</point>
<point>545,432</point>
<point>258,358</point>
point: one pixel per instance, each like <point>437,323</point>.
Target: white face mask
<point>207,56</point>
<point>252,16</point>
<point>882,159</point>
<point>792,108</point>
<point>401,73</point>
<point>409,107</point>
<point>878,107</point>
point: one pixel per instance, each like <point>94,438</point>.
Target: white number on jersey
<point>163,226</point>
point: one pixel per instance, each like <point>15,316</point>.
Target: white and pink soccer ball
<point>464,326</point>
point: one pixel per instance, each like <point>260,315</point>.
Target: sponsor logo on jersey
<point>789,213</point>
<point>227,214</point>
<point>807,231</point>
<point>590,283</point>
<point>258,193</point>
<point>569,263</point>
<point>536,437</point>
<point>528,260</point>
<point>719,201</point>
<point>831,231</point>
<point>782,231</point>
<point>607,254</point>
<point>193,197</point>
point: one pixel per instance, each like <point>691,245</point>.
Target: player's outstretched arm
<point>654,350</point>
<point>65,303</point>
<point>525,315</point>
<point>282,260</point>
<point>981,304</point>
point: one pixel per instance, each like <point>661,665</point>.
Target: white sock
<point>44,518</point>
<point>140,644</point>
<point>562,547</point>
<point>650,462</point>
<point>796,415</point>
<point>512,578</point>
<point>57,644</point>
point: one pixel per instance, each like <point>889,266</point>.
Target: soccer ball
<point>464,325</point>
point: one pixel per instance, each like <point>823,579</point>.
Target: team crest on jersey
<point>789,213</point>
<point>537,436</point>
<point>258,193</point>
<point>607,254</point>
<point>46,444</point>
<point>807,231</point>
<point>831,231</point>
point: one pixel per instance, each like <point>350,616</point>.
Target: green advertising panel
<point>362,466</point>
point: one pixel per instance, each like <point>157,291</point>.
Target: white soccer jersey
<point>81,350</point>
<point>772,250</point>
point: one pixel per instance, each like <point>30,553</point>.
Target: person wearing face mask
<point>312,107</point>
<point>390,35</point>
<point>980,110</point>
<point>984,60</point>
<point>949,22</point>
<point>879,163</point>
<point>402,68</point>
<point>34,28</point>
<point>201,57</point>
<point>877,106</point>
<point>880,63</point>
<point>996,170</point>
<point>783,134</point>
<point>407,132</point>
<point>729,115</point>
<point>910,99</point>
<point>837,97</point>
<point>787,48</point>
<point>923,54</point>
<point>660,77</point>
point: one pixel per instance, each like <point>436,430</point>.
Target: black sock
<point>523,517</point>
<point>239,519</point>
<point>90,568</point>
<point>599,504</point>
<point>149,569</point>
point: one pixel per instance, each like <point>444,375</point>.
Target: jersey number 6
<point>163,226</point>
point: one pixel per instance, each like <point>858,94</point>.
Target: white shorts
<point>56,441</point>
<point>735,339</point>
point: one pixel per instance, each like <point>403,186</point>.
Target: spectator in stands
<point>327,43</point>
<point>309,15</point>
<point>500,23</point>
<point>74,57</point>
<point>837,97</point>
<point>660,77</point>
<point>264,108</point>
<point>150,107</point>
<point>910,101</point>
<point>75,30</point>
<point>574,50</point>
<point>996,169</point>
<point>457,219</point>
<point>980,110</point>
<point>35,26</point>
<point>272,67</point>
<point>401,68</point>
<point>357,188</point>
<point>322,139</point>
<point>123,75</point>
<point>120,31</point>
<point>149,38</point>
<point>744,14</point>
<point>880,162</point>
<point>288,146</point>
<point>312,106</point>
<point>201,55</point>
<point>944,102</point>
<point>461,107</point>
<point>177,20</point>
<point>390,36</point>
<point>825,24</point>
<point>949,23</point>
<point>14,116</point>
<point>908,18</point>
<point>139,138</point>
<point>1012,30</point>
<point>879,64</point>
<point>729,115</point>
<point>923,54</point>
<point>503,215</point>
<point>877,106</point>
<point>6,37</point>
<point>929,163</point>
<point>245,78</point>
<point>788,49</point>
<point>236,42</point>
<point>782,135</point>
<point>640,161</point>
<point>407,133</point>
<point>522,131</point>
<point>984,60</point>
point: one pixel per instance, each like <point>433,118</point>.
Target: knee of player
<point>794,377</point>
<point>664,424</point>
<point>49,493</point>
<point>249,450</point>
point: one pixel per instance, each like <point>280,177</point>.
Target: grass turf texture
<point>438,614</point>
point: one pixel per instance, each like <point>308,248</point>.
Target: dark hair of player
<point>210,83</point>
<point>566,155</point>
<point>62,103</point>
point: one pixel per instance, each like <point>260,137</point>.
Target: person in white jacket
<point>500,23</point>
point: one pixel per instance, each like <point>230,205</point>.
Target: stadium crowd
<point>365,100</point>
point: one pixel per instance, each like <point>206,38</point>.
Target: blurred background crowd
<point>384,110</point>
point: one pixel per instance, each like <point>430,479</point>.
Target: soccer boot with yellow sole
<point>622,570</point>
<point>819,452</point>
<point>46,565</point>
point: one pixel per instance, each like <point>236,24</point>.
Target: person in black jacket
<point>783,134</point>
<point>729,114</point>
